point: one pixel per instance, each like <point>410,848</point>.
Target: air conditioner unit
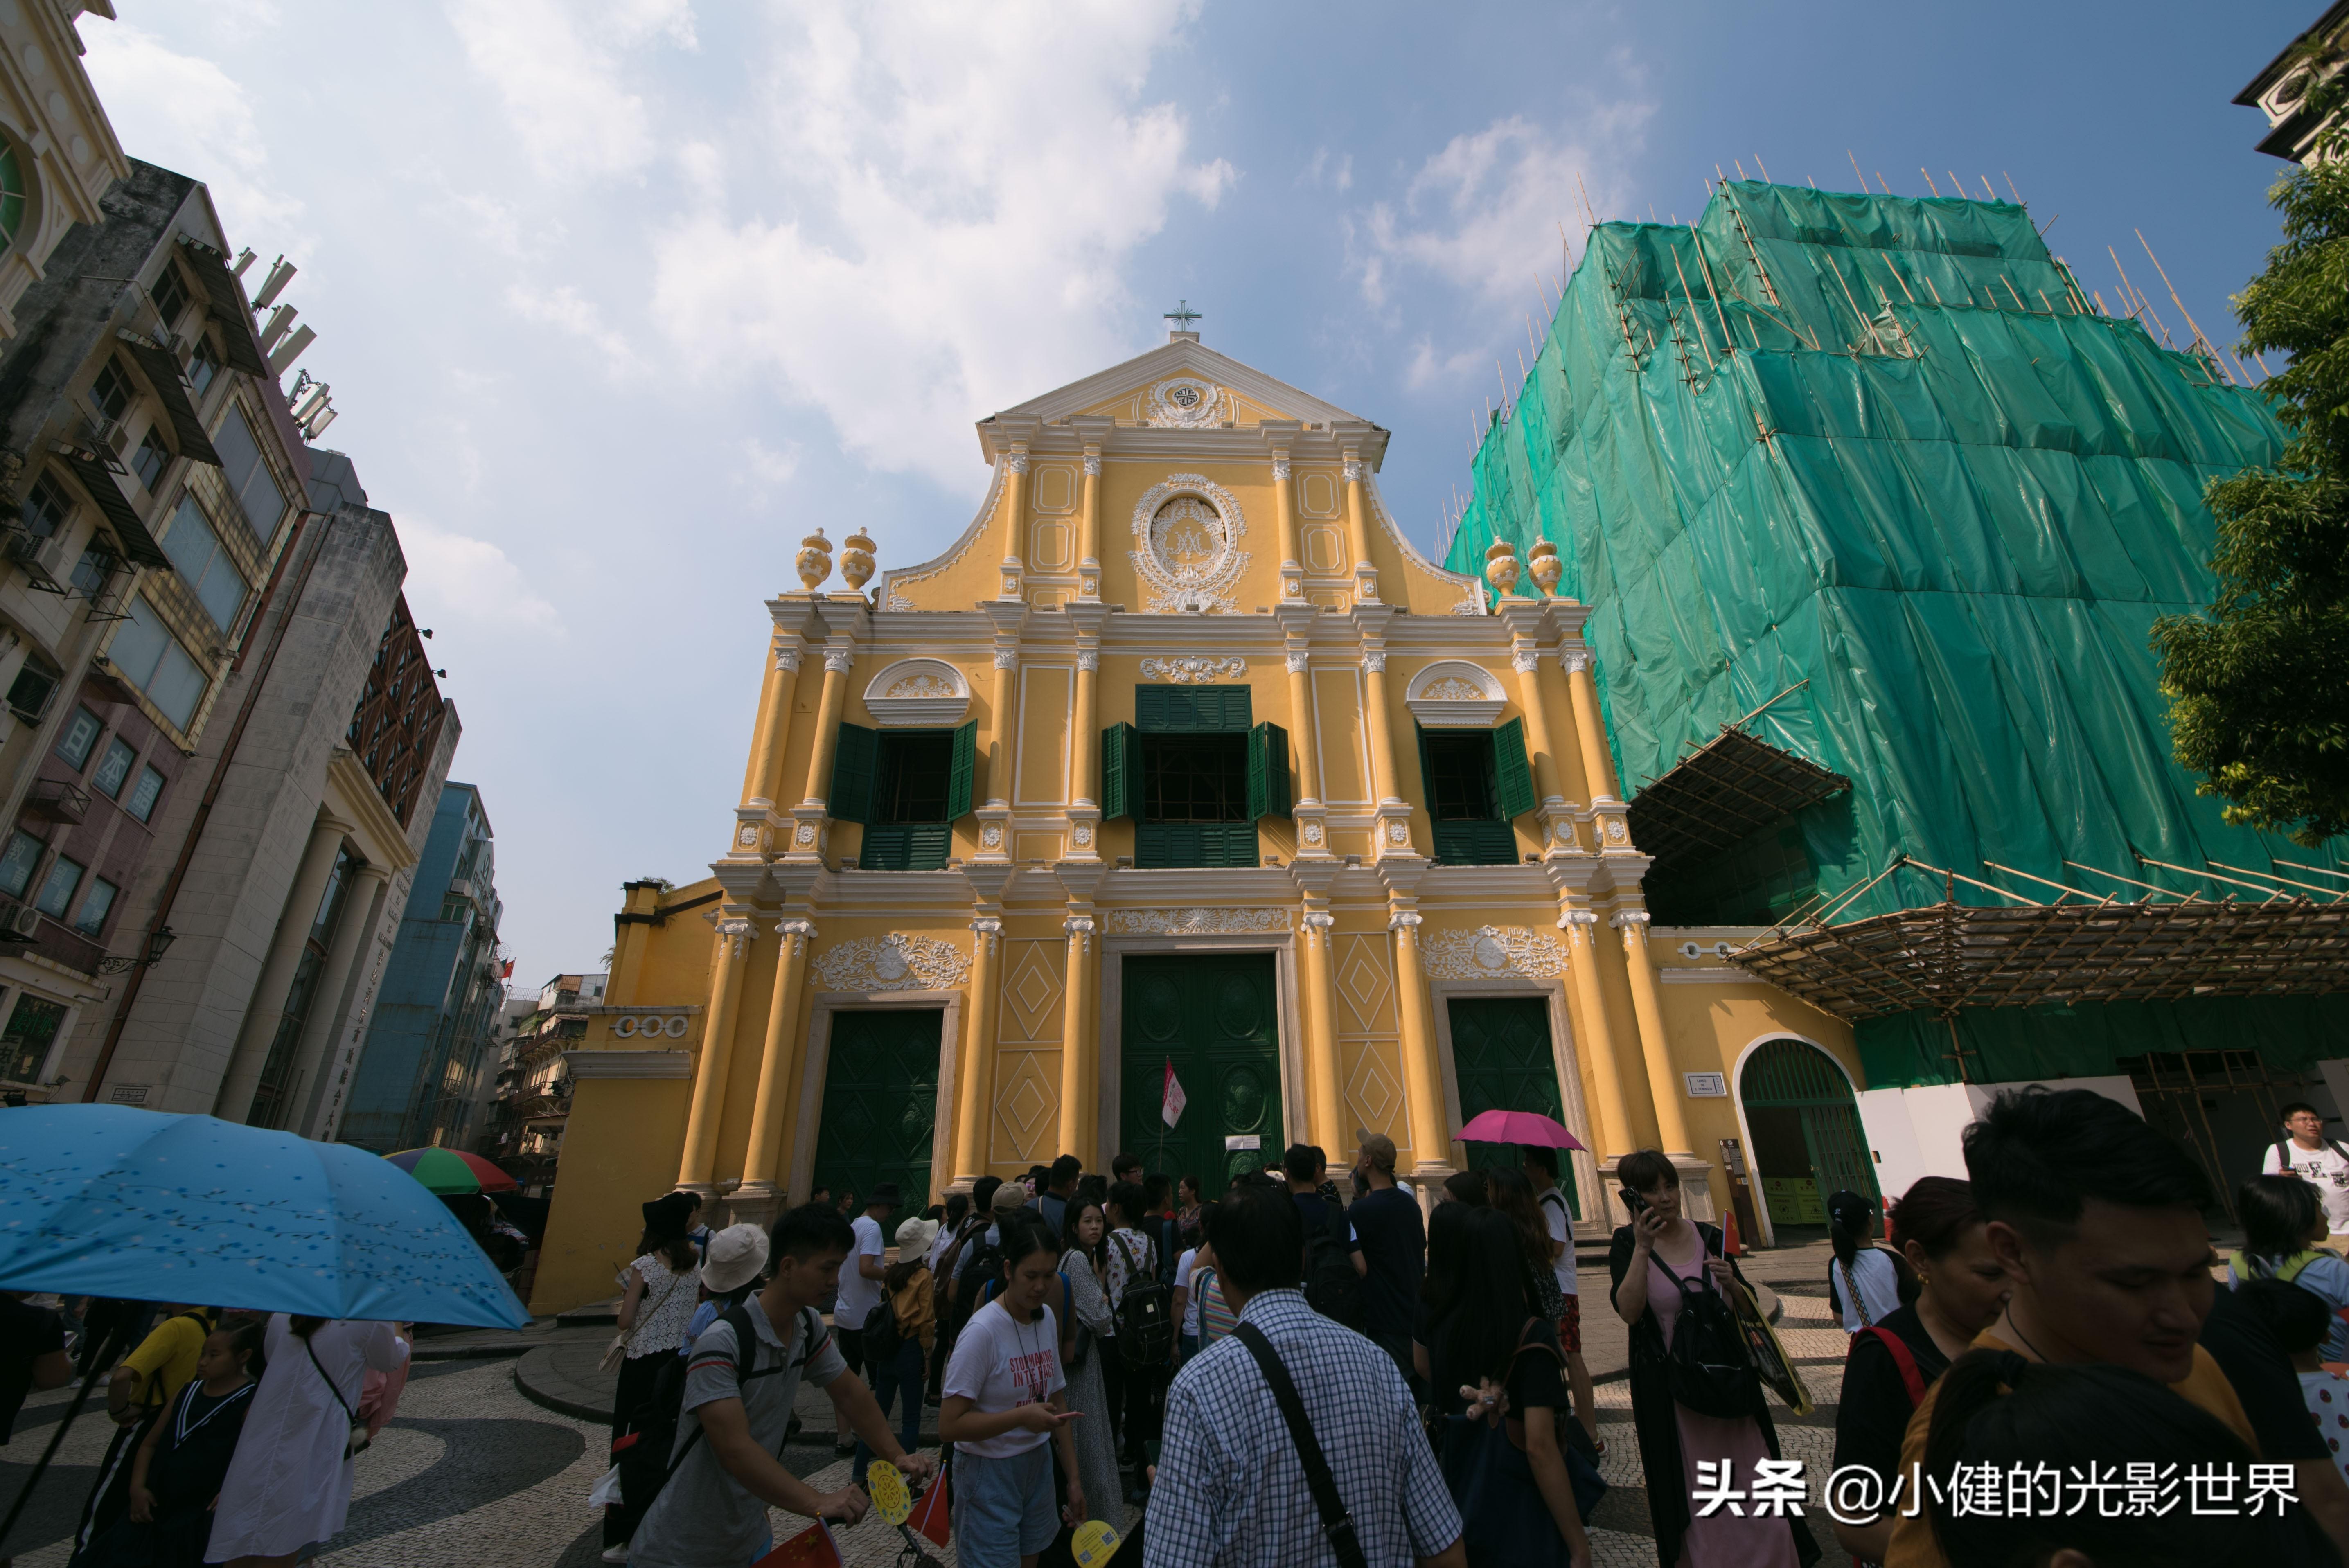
<point>21,921</point>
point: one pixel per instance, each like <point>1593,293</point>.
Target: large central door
<point>1501,1056</point>
<point>880,1103</point>
<point>1213,1017</point>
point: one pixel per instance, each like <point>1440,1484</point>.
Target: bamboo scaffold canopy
<point>1723,790</point>
<point>2254,934</point>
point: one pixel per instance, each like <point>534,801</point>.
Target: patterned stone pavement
<point>472,1471</point>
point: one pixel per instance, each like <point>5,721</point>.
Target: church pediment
<point>1181,386</point>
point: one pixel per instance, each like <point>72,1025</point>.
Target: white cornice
<point>1176,358</point>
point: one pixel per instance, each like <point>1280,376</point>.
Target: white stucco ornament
<point>1492,953</point>
<point>1192,668</point>
<point>897,962</point>
<point>1217,921</point>
<point>1184,403</point>
<point>1187,534</point>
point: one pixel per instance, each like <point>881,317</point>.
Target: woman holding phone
<point>1663,1265</point>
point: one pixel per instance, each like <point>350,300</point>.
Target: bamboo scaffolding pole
<point>1847,152</point>
<point>1928,181</point>
<point>2067,888</point>
<point>2273,892</point>
<point>1765,169</point>
<point>2335,893</point>
<point>1689,293</point>
<point>1880,180</point>
<point>1987,194</point>
<point>2149,887</point>
<point>1769,289</point>
<point>1739,166</point>
<point>2010,186</point>
<point>2011,294</point>
<point>1711,290</point>
<point>2320,870</point>
<point>1974,881</point>
<point>1957,184</point>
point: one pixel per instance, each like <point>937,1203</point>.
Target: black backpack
<point>970,1283</point>
<point>1332,1288</point>
<point>1146,1317</point>
<point>1708,1367</point>
<point>881,1331</point>
<point>643,1455</point>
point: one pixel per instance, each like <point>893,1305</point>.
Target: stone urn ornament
<point>1501,567</point>
<point>856,560</point>
<point>814,560</point>
<point>1545,567</point>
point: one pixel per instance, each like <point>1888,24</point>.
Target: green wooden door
<point>1213,1017</point>
<point>1501,1055</point>
<point>1807,1142</point>
<point>880,1103</point>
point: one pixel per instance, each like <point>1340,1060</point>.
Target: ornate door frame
<point>1112,1037</point>
<point>817,1059</point>
<point>1595,1221</point>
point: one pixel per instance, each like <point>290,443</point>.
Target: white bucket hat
<point>737,1255</point>
<point>915,1236</point>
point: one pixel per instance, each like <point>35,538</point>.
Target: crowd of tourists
<point>1294,1372</point>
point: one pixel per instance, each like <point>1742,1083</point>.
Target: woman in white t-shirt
<point>1003,1403</point>
<point>1866,1284</point>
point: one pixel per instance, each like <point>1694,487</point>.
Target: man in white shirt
<point>2316,1159</point>
<point>860,1286</point>
<point>1541,1170</point>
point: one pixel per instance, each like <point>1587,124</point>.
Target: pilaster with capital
<point>1393,829</point>
<point>1357,531</point>
<point>1608,824</point>
<point>811,819</point>
<point>735,930</point>
<point>975,1076</point>
<point>1077,1048</point>
<point>1084,746</point>
<point>1619,1134</point>
<point>1284,511</point>
<point>1664,1085</point>
<point>1002,749</point>
<point>1431,1136</point>
<point>1321,1023</point>
<point>778,1067</point>
<point>1089,528</point>
<point>1555,811</point>
<point>1312,830</point>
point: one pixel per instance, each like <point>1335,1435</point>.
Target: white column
<point>267,1005</point>
<point>361,904</point>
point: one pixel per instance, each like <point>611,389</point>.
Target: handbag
<point>617,1351</point>
<point>1573,1442</point>
<point>357,1442</point>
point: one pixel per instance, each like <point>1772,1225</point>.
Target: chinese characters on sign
<point>1855,1494</point>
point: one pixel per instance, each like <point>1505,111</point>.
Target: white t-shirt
<point>1876,1280</point>
<point>858,1295</point>
<point>1553,1208</point>
<point>2323,1169</point>
<point>1000,1363</point>
<point>1190,1296</point>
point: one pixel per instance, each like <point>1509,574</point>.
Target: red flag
<point>930,1512</point>
<point>811,1548</point>
<point>1170,1109</point>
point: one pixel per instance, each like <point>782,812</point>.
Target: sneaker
<point>616,1553</point>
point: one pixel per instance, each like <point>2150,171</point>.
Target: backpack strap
<point>1337,1525</point>
<point>813,1340</point>
<point>1903,1359</point>
<point>1851,1283</point>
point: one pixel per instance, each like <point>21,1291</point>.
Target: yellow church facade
<point>1182,807</point>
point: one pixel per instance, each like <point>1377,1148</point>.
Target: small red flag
<point>930,1515</point>
<point>811,1548</point>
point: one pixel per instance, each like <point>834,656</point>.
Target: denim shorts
<point>1004,1510</point>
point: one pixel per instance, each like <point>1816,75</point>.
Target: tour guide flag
<point>811,1548</point>
<point>1171,1110</point>
<point>930,1517</point>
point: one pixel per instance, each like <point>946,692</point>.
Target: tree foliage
<point>2259,686</point>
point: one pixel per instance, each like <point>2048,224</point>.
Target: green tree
<point>2259,686</point>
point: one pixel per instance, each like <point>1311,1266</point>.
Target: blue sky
<point>618,298</point>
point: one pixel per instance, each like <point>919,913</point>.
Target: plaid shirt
<point>1231,1488</point>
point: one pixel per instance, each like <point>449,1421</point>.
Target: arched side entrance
<point>1804,1122</point>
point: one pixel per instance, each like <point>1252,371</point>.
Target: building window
<point>15,189</point>
<point>45,508</point>
<point>203,364</point>
<point>1477,781</point>
<point>59,887</point>
<point>197,554</point>
<point>18,860</point>
<point>94,570</point>
<point>81,733</point>
<point>170,296</point>
<point>114,768</point>
<point>147,462</point>
<point>151,659</point>
<point>96,907</point>
<point>31,1029</point>
<point>110,394</point>
<point>30,693</point>
<point>248,475</point>
<point>148,790</point>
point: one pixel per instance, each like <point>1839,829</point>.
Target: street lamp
<point>159,941</point>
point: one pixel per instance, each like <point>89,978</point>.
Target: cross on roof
<point>1183,315</point>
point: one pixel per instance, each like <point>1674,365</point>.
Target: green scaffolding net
<point>1884,462</point>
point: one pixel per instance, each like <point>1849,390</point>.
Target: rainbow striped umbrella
<point>452,1172</point>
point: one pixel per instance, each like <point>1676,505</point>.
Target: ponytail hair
<point>246,1340</point>
<point>1847,1215</point>
<point>303,1327</point>
<point>1994,1408</point>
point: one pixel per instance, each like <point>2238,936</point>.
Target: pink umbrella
<point>1519,1126</point>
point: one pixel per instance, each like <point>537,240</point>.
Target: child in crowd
<point>177,1475</point>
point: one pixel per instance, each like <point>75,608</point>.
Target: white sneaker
<point>616,1553</point>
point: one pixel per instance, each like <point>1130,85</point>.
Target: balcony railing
<point>55,801</point>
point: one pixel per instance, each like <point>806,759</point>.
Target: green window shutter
<point>1267,771</point>
<point>1238,710</point>
<point>854,765</point>
<point>1151,709</point>
<point>1513,776</point>
<point>1121,772</point>
<point>1426,775</point>
<point>1192,710</point>
<point>966,770</point>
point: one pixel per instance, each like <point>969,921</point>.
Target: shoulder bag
<point>617,1351</point>
<point>356,1441</point>
<point>1337,1523</point>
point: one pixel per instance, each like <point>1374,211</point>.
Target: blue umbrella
<point>104,1199</point>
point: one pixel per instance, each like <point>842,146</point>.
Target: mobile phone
<point>1633,1202</point>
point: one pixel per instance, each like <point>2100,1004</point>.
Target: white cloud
<point>562,88</point>
<point>765,469</point>
<point>1341,177</point>
<point>671,19</point>
<point>185,113</point>
<point>1484,213</point>
<point>452,578</point>
<point>1428,369</point>
<point>569,312</point>
<point>948,197</point>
